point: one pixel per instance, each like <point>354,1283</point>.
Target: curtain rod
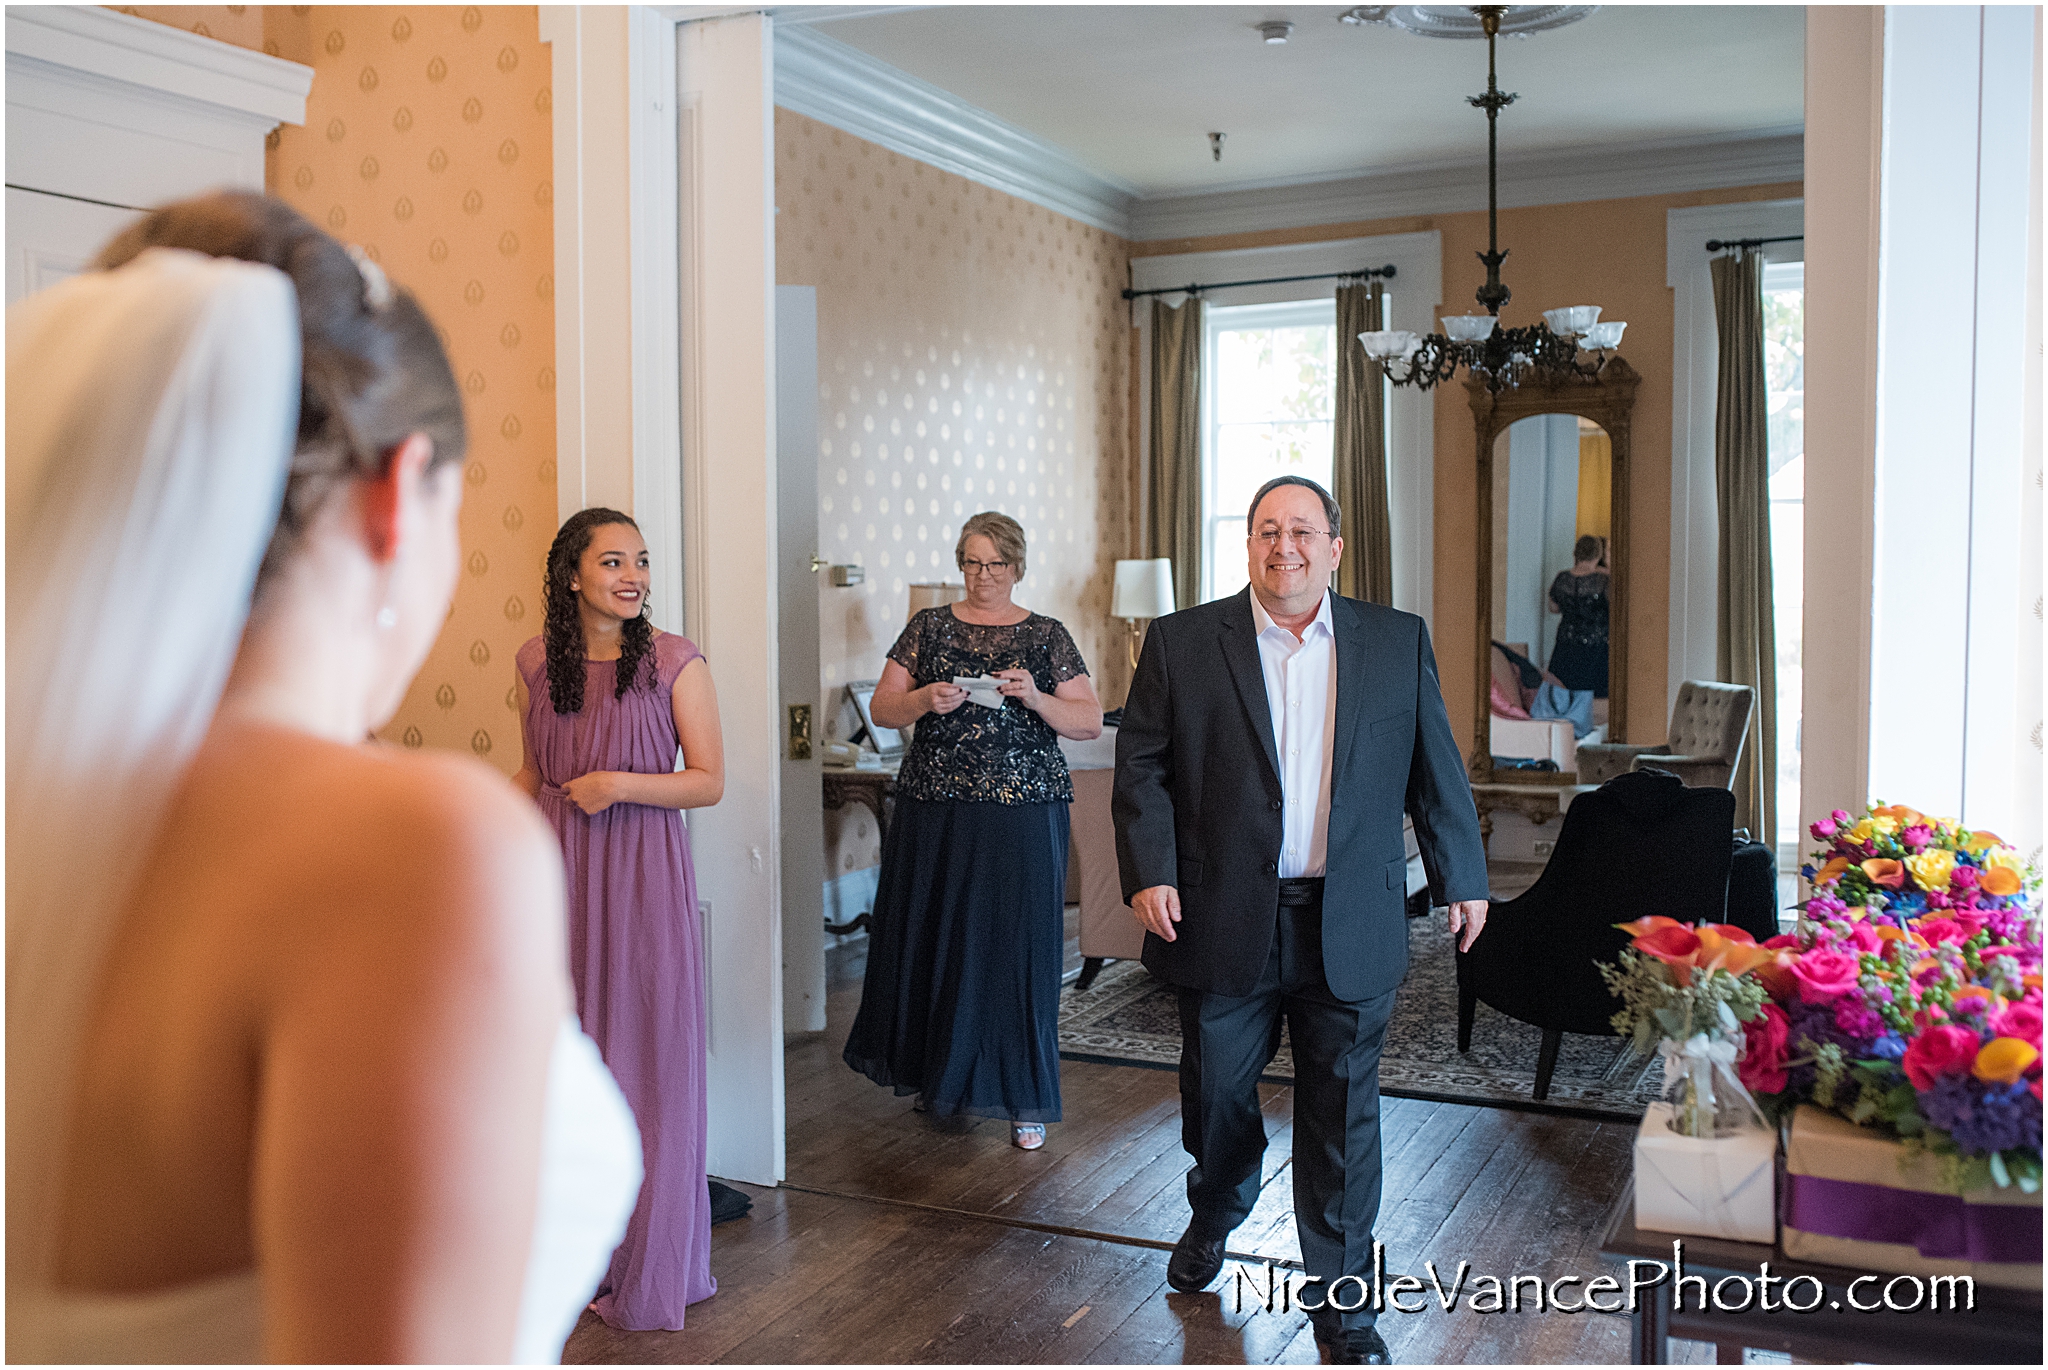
<point>1386,271</point>
<point>1716,244</point>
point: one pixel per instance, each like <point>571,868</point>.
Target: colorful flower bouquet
<point>1703,1155</point>
<point>1689,991</point>
<point>1908,999</point>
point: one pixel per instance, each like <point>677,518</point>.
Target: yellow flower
<point>2004,857</point>
<point>1931,868</point>
<point>1875,826</point>
<point>2003,1060</point>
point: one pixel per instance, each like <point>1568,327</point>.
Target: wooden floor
<point>895,1240</point>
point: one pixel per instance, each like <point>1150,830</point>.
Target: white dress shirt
<point>1301,692</point>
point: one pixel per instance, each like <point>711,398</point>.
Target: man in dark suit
<point>1269,747</point>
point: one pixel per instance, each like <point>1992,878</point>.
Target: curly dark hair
<point>563,635</point>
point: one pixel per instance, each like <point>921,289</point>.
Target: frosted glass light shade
<point>1573,320</point>
<point>931,594</point>
<point>1603,337</point>
<point>1390,344</point>
<point>1468,328</point>
<point>1144,589</point>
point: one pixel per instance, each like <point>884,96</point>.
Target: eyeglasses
<point>1270,537</point>
<point>987,568</point>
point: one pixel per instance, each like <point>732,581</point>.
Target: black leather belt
<point>1301,892</point>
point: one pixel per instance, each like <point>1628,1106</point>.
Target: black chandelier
<point>1570,344</point>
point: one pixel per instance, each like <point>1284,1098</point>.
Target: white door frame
<point>664,144</point>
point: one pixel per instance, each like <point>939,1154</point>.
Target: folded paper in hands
<point>981,689</point>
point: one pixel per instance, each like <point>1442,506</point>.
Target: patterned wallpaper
<point>971,356</point>
<point>428,142</point>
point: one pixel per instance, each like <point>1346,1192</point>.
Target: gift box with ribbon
<point>1705,1186</point>
<point>1855,1198</point>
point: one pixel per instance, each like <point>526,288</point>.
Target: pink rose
<point>1865,938</point>
<point>1825,975</point>
<point>1971,918</point>
<point>1939,930</point>
<point>1762,1067</point>
<point>1916,836</point>
<point>1825,829</point>
<point>2021,1020</point>
<point>1940,1051</point>
<point>1963,877</point>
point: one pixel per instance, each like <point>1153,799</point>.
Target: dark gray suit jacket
<point>1197,803</point>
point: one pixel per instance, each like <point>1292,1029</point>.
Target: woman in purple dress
<point>605,703</point>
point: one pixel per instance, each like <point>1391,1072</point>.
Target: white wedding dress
<point>150,419</point>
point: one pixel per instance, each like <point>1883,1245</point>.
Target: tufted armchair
<point>1708,724</point>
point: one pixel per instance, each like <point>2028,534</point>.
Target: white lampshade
<point>931,594</point>
<point>1604,337</point>
<point>1390,344</point>
<point>1144,589</point>
<point>1572,320</point>
<point>1467,328</point>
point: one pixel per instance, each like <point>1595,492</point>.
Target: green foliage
<point>1655,1005</point>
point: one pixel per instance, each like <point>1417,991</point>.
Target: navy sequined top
<point>975,754</point>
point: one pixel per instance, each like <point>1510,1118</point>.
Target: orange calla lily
<point>1776,973</point>
<point>1647,924</point>
<point>1900,812</point>
<point>1883,871</point>
<point>2003,1060</point>
<point>1738,954</point>
<point>1831,871</point>
<point>1998,880</point>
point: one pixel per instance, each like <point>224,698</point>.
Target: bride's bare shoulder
<point>393,833</point>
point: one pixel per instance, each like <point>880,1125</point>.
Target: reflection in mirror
<point>1551,590</point>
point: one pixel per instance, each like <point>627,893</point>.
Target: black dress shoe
<point>1354,1346</point>
<point>1194,1262</point>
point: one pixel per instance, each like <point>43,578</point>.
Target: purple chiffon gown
<point>636,955</point>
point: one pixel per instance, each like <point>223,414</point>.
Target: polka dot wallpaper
<point>971,356</point>
<point>428,141</point>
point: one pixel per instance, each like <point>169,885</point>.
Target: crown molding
<point>837,84</point>
<point>119,47</point>
<point>824,79</point>
<point>1567,177</point>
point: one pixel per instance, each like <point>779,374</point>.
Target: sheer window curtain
<point>1174,454</point>
<point>1359,458</point>
<point>1747,651</point>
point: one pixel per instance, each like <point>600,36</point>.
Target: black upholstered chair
<point>1642,843</point>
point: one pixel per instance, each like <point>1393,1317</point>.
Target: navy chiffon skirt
<point>961,1002</point>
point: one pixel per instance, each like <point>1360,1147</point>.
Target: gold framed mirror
<point>1552,652</point>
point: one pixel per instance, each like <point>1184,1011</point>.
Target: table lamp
<point>1144,590</point>
<point>930,594</point>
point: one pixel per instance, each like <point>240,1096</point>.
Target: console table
<point>871,786</point>
<point>1537,803</point>
<point>2003,1329</point>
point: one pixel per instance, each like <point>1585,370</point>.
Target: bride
<point>290,1072</point>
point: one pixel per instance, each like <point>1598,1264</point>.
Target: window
<point>1784,378</point>
<point>1269,392</point>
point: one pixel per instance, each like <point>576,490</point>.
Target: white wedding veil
<point>151,413</point>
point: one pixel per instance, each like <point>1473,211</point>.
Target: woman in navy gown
<point>961,1002</point>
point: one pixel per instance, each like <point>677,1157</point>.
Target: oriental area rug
<point>1128,1018</point>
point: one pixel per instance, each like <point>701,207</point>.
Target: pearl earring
<point>387,618</point>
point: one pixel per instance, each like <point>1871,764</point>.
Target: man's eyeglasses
<point>986,568</point>
<point>1270,537</point>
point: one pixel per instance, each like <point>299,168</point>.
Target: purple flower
<point>1983,1118</point>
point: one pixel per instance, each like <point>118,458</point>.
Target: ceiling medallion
<point>1571,344</point>
<point>1459,21</point>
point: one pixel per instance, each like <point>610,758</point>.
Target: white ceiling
<point>1132,92</point>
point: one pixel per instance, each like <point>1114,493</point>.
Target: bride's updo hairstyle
<point>372,368</point>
